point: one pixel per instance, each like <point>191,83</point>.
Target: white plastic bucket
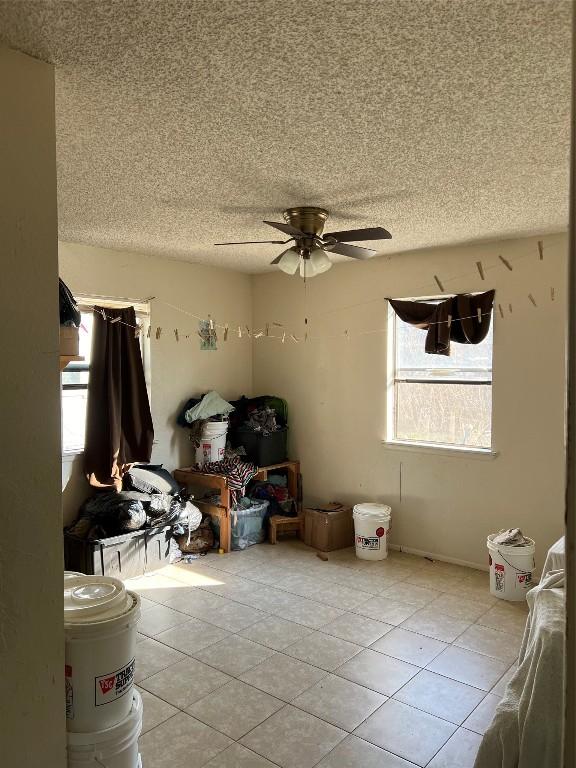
<point>511,569</point>
<point>115,747</point>
<point>100,618</point>
<point>212,442</point>
<point>371,528</point>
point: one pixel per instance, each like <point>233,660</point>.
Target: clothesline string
<point>333,336</point>
<point>265,333</point>
<point>415,288</point>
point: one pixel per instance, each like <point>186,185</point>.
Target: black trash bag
<point>69,312</point>
<point>114,512</point>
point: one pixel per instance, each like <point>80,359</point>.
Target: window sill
<point>441,450</point>
<point>71,454</point>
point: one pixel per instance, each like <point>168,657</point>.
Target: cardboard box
<point>329,527</point>
<point>69,340</point>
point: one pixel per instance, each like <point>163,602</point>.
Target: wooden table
<point>189,476</point>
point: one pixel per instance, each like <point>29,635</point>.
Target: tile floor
<point>271,657</point>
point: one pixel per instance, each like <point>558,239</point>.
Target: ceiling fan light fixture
<point>320,262</point>
<point>289,262</point>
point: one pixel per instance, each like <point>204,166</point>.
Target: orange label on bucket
<point>114,685</point>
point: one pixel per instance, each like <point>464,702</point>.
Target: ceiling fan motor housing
<point>307,219</point>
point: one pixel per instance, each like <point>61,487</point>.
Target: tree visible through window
<point>435,399</point>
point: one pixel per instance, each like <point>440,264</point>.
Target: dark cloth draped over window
<point>119,427</point>
<point>454,319</point>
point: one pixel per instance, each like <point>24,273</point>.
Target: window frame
<point>390,439</point>
<point>86,303</point>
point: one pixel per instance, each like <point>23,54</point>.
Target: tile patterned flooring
<point>271,657</point>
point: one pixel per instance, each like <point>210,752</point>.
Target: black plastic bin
<point>263,450</point>
<point>124,556</point>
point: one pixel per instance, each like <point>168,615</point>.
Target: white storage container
<point>100,618</point>
<point>115,747</point>
<point>212,442</point>
<point>511,569</point>
<point>371,528</point>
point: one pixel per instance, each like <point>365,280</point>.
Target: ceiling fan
<point>305,226</point>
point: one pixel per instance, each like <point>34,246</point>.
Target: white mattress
<point>556,557</point>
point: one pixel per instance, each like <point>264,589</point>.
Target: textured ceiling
<point>181,124</point>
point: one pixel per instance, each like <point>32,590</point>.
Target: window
<point>437,400</point>
<point>75,375</point>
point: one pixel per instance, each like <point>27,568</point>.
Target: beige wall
<point>336,390</point>
<point>31,603</point>
<point>180,370</point>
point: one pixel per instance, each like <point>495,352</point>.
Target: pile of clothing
<point>198,411</point>
<point>150,498</point>
<point>275,492</point>
<point>237,472</point>
<point>262,420</point>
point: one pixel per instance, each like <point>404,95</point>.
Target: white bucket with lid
<point>100,618</point>
<point>212,442</point>
<point>371,528</point>
<point>115,747</point>
<point>511,569</point>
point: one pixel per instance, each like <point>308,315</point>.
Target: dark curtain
<point>464,328</point>
<point>119,427</point>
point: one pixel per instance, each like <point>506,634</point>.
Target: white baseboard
<point>442,558</point>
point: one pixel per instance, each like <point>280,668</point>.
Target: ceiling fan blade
<point>286,228</point>
<point>279,257</point>
<point>353,235</point>
<point>349,250</point>
<point>254,242</point>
